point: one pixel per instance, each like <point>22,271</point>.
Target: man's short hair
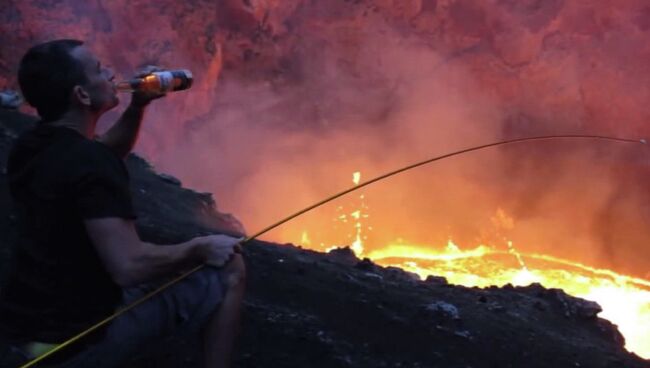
<point>47,74</point>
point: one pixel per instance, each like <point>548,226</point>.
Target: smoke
<point>294,97</point>
<point>372,101</point>
<point>273,148</point>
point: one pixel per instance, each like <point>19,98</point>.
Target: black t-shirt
<point>58,285</point>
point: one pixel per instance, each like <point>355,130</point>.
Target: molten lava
<point>625,300</point>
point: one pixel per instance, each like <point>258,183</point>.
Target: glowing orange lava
<point>625,300</point>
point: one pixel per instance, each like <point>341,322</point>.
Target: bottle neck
<point>127,85</point>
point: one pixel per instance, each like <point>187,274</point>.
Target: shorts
<point>180,310</point>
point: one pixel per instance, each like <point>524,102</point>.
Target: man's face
<point>99,87</point>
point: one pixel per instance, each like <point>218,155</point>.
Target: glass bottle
<point>158,82</point>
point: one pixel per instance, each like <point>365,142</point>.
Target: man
<point>80,258</point>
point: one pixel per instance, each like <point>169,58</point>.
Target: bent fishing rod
<point>176,280</point>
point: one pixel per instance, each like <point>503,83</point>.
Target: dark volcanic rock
<point>305,310</point>
<point>344,256</point>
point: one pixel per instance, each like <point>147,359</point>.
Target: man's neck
<point>82,122</point>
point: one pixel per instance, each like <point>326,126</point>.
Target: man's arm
<point>121,137</point>
<point>131,261</point>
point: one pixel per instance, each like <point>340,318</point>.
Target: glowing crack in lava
<point>625,300</point>
<point>357,217</point>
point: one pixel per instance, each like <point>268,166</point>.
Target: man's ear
<point>80,95</point>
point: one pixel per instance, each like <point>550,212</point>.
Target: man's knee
<point>234,274</point>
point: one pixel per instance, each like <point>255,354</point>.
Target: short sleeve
<point>102,189</point>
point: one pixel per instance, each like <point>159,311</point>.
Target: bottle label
<point>166,81</point>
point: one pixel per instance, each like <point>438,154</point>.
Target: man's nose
<point>110,74</point>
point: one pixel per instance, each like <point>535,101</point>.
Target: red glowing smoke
<point>294,96</point>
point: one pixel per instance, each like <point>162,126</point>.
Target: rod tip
<point>643,141</point>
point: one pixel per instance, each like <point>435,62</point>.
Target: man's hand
<point>141,99</point>
<point>216,250</point>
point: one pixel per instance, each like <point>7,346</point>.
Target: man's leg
<point>184,308</point>
<point>221,329</point>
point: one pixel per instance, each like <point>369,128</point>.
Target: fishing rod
<point>176,280</point>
